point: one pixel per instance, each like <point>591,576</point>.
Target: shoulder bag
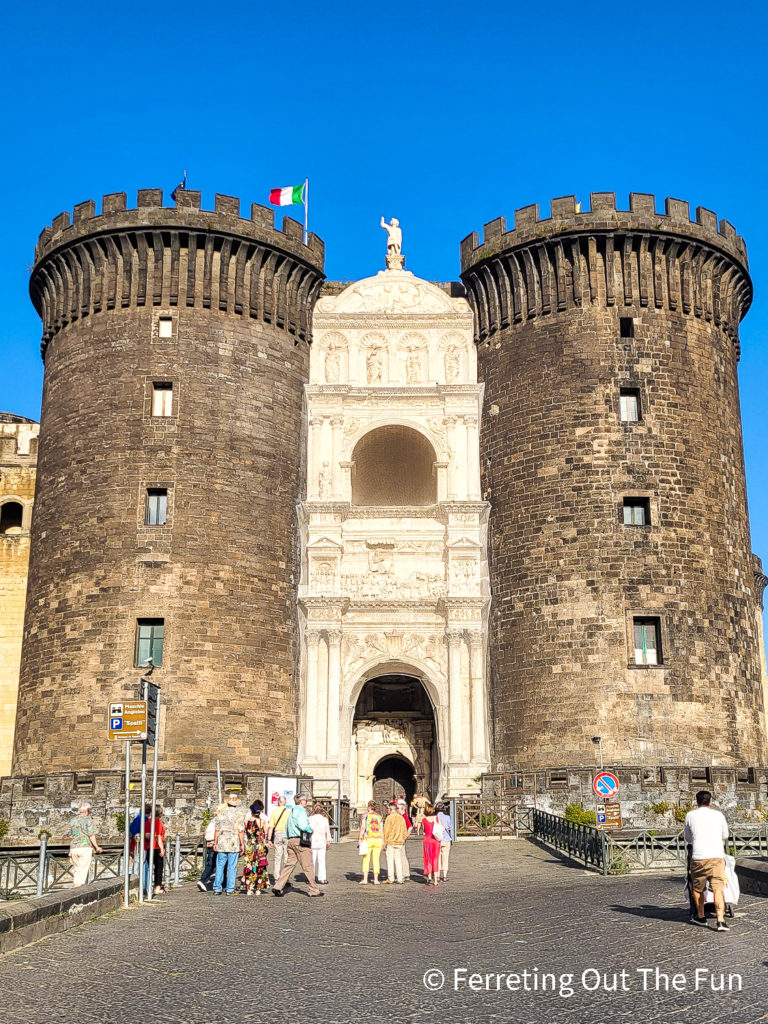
<point>437,831</point>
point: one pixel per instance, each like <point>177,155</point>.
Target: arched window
<point>10,517</point>
<point>394,466</point>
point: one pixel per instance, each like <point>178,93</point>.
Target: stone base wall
<point>31,805</point>
<point>742,794</point>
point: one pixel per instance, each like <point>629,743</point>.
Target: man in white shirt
<point>706,831</point>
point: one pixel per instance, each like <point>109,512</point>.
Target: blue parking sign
<point>115,723</point>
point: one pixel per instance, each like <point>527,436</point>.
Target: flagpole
<point>306,206</point>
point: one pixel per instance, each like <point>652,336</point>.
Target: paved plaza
<point>361,954</point>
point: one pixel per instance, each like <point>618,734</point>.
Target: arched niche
<point>394,465</point>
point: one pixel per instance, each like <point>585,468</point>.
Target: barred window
<point>629,405</point>
<point>162,399</point>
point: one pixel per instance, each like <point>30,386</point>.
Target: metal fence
<point>584,843</point>
<point>649,851</point>
<point>490,817</point>
<point>34,870</point>
<point>337,812</point>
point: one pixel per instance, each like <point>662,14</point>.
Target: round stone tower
<point>176,347</point>
<point>624,599</point>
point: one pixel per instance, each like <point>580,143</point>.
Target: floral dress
<point>255,876</point>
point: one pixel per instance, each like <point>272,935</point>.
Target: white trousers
<point>281,853</point>
<point>80,858</point>
<point>445,853</point>
<point>318,862</point>
<point>406,865</point>
<point>394,863</point>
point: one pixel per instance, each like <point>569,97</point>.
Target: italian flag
<point>287,196</point>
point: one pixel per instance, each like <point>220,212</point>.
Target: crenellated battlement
<point>179,256</point>
<point>610,257</point>
<point>603,215</point>
<point>186,212</point>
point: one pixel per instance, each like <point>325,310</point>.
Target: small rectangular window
<point>647,635</point>
<point>629,405</point>
<point>637,512</point>
<point>157,506</point>
<point>626,327</point>
<point>149,641</point>
<point>165,327</point>
<point>162,399</point>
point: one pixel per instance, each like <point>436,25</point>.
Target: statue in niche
<point>375,366</point>
<point>332,366</point>
<point>325,481</point>
<point>452,365</point>
<point>413,368</point>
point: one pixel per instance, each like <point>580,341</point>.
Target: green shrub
<point>619,863</point>
<point>680,813</point>
<point>662,807</point>
<point>120,822</point>
<point>579,815</point>
<point>3,828</point>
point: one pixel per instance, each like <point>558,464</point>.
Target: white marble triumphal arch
<point>394,591</point>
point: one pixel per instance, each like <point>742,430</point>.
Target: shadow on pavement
<point>654,913</point>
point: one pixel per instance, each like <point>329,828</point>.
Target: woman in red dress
<point>431,845</point>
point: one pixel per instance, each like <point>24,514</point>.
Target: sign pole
<point>151,885</point>
<point>142,858</point>
<point>218,776</point>
<point>127,838</point>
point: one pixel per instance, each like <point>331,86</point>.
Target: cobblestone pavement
<point>360,954</point>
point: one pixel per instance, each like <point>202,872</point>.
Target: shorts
<point>711,870</point>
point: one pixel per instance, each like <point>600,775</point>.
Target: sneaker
<point>202,887</point>
<point>722,927</point>
<point>699,920</point>
<point>218,892</point>
<point>277,892</point>
<point>313,894</point>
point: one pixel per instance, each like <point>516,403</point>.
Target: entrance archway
<point>395,740</point>
<point>393,778</point>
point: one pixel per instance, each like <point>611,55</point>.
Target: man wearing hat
<point>229,843</point>
<point>82,843</point>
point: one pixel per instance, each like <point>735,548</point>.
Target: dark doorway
<point>393,777</point>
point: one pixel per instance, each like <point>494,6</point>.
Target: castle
<point>393,535</point>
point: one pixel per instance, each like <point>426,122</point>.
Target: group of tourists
<point>297,838</point>
<point>293,835</point>
<point>390,833</point>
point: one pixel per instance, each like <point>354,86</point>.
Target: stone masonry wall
<point>18,458</point>
<point>223,570</point>
<point>567,575</point>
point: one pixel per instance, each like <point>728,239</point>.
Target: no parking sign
<point>606,785</point>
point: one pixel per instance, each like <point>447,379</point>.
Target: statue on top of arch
<point>395,258</point>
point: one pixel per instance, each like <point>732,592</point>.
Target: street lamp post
<point>599,741</point>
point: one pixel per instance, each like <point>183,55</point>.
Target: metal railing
<point>650,851</point>
<point>27,871</point>
<point>495,817</point>
<point>584,843</point>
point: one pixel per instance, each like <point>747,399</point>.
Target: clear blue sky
<point>442,114</point>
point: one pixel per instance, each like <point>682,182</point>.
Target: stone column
<point>312,637</point>
<point>477,697</point>
<point>315,434</point>
<point>337,422</point>
<point>441,470</point>
<point>334,691</point>
<point>462,462</point>
<point>473,459</point>
<point>321,716</point>
<point>457,711</point>
<point>450,426</point>
<point>346,469</point>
